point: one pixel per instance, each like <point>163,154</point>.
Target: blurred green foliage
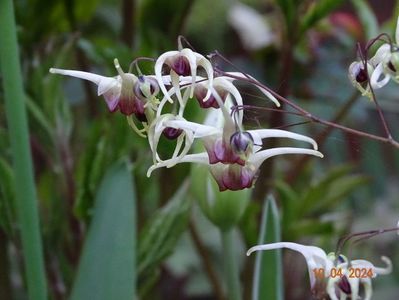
<point>75,140</point>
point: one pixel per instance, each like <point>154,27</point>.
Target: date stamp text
<point>321,273</point>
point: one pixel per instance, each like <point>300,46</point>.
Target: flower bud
<point>241,142</point>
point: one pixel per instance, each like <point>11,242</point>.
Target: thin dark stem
<point>128,22</point>
<point>381,114</point>
<point>361,235</point>
<point>321,138</point>
<point>364,57</point>
<point>203,253</point>
<point>313,118</point>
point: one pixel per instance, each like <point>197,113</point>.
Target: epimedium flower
<point>386,62</point>
<point>342,286</point>
<point>160,126</point>
<point>126,92</point>
<point>232,154</point>
<point>221,134</point>
<point>241,173</point>
<point>359,77</point>
<point>182,62</point>
<point>383,66</point>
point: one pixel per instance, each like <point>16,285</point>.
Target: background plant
<point>75,142</point>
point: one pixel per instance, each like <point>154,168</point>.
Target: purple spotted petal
<point>234,178</point>
<point>219,151</point>
<point>112,101</point>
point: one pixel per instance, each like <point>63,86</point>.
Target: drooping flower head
<point>183,62</point>
<point>383,66</point>
<point>233,154</point>
<point>125,92</point>
<point>333,271</point>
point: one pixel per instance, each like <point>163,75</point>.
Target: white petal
<point>108,83</point>
<point>368,290</point>
<point>277,133</point>
<point>95,78</point>
<point>259,157</point>
<point>387,269</point>
<point>199,130</point>
<point>315,256</point>
<point>264,91</point>
<point>158,71</point>
<point>354,284</point>
<point>184,101</point>
<point>229,87</point>
<point>189,54</point>
<point>206,64</point>
<point>214,118</point>
<point>378,71</point>
<point>331,288</point>
<point>381,55</point>
<point>176,86</point>
<point>229,123</point>
<point>200,158</point>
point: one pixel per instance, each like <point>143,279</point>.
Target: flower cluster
<point>378,70</point>
<point>155,107</point>
<point>344,283</point>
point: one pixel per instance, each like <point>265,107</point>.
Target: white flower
<point>341,286</point>
<point>126,92</point>
<point>233,157</point>
<point>359,77</point>
<point>386,63</point>
<point>232,154</point>
<point>184,62</point>
<point>160,126</point>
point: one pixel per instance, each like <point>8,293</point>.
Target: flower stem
<point>231,273</point>
<point>26,204</point>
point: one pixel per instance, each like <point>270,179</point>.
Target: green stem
<point>26,204</point>
<point>231,273</point>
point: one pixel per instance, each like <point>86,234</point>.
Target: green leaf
<point>317,11</point>
<point>91,165</point>
<point>268,277</point>
<point>367,18</point>
<point>160,234</point>
<point>309,227</point>
<point>338,190</point>
<point>39,116</point>
<point>107,266</point>
<point>311,197</point>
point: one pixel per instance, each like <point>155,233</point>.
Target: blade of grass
<point>107,268</point>
<point>268,277</point>
<point>26,204</point>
